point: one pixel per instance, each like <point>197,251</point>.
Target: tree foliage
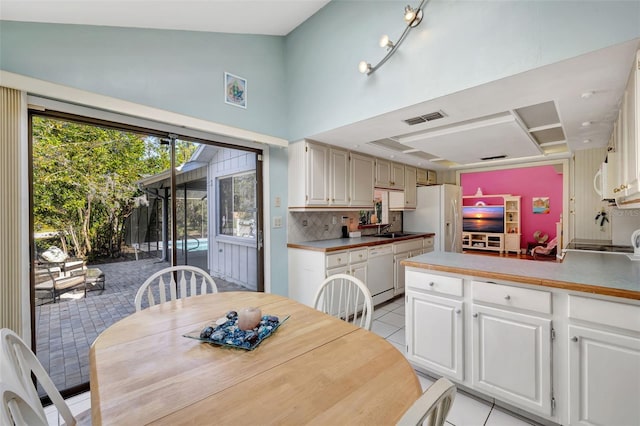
<point>84,181</point>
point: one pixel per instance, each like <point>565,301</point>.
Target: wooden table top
<point>315,369</point>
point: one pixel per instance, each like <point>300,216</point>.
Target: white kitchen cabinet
<point>362,177</point>
<point>604,362</point>
<point>568,357</point>
<point>512,357</point>
<point>383,173</point>
<point>401,251</point>
<point>316,173</point>
<point>308,268</point>
<point>434,323</point>
<point>425,177</point>
<point>338,177</point>
<point>405,200</point>
<point>628,193</point>
<point>397,176</point>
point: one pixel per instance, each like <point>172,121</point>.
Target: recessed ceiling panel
<point>553,134</point>
<point>539,115</point>
<point>390,144</point>
<point>470,143</point>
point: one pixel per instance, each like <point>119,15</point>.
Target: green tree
<point>84,181</point>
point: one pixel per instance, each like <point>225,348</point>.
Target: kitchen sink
<point>392,235</point>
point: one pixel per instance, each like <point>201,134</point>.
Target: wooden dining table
<point>314,369</point>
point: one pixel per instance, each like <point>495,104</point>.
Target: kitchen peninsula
<point>557,341</point>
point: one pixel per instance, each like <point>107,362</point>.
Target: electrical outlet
<point>304,222</point>
<point>326,227</point>
<point>334,220</point>
<point>277,222</point>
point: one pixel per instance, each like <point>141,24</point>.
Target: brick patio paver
<point>66,330</point>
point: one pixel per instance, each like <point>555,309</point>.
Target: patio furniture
<point>55,278</point>
<point>94,279</point>
<point>156,285</point>
<point>314,369</point>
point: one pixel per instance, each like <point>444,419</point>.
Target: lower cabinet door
<point>434,334</point>
<point>398,273</point>
<point>604,378</point>
<point>512,357</point>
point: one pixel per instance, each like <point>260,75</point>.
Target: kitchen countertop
<point>591,272</point>
<point>349,243</point>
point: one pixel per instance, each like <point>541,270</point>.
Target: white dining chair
<point>17,364</point>
<point>346,297</point>
<point>163,284</point>
<point>16,408</point>
<point>433,405</point>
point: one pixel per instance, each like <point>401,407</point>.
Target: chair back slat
<point>345,297</point>
<point>186,285</point>
<point>17,364</point>
<point>433,405</point>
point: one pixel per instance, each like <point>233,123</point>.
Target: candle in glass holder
<point>249,318</point>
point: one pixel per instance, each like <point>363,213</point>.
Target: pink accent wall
<point>528,182</point>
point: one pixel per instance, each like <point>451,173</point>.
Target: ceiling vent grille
<point>495,157</point>
<point>424,118</point>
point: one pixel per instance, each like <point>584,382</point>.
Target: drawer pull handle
<point>458,311</point>
<point>475,315</point>
<point>507,297</point>
<point>431,284</point>
<point>574,339</point>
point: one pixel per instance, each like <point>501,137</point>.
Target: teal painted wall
<point>179,71</point>
<point>278,158</point>
<point>459,44</point>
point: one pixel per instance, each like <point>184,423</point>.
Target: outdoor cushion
<point>54,254</point>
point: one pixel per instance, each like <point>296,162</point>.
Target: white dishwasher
<point>380,272</point>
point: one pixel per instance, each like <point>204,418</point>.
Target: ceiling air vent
<point>424,118</point>
<point>495,157</point>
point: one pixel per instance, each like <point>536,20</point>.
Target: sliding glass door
<point>112,204</point>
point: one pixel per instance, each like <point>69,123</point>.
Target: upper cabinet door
<point>397,176</point>
<point>362,180</point>
<point>410,193</point>
<point>383,173</point>
<point>317,158</point>
<point>338,177</point>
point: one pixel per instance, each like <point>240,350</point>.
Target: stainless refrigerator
<point>438,210</point>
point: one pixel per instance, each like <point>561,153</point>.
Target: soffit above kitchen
<point>540,114</point>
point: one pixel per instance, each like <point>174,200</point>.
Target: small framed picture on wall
<point>235,90</point>
<point>540,205</point>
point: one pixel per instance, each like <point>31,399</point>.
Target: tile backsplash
<point>313,226</point>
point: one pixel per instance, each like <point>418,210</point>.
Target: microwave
<point>605,179</point>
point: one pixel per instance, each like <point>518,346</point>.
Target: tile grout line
<point>493,404</point>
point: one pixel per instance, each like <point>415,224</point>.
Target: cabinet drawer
<point>434,283</point>
<point>337,259</point>
<point>356,256</point>
<point>407,246</point>
<point>427,242</point>
<point>515,297</point>
<point>615,314</point>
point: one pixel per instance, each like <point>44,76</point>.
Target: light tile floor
<point>388,322</point>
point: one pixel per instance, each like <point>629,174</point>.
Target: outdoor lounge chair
<point>55,278</point>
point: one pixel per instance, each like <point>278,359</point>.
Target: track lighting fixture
<point>412,18</point>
